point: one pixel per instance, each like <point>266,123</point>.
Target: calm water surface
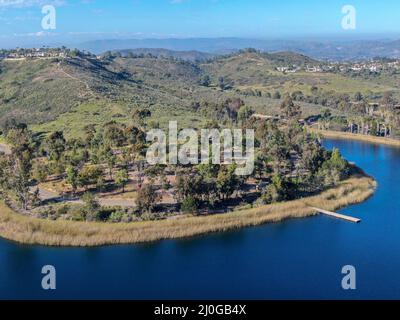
<point>296,259</point>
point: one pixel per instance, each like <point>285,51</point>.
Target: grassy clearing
<point>73,122</point>
<point>100,112</point>
<point>303,81</point>
<point>65,233</point>
<point>358,137</point>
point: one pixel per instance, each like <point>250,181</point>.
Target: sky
<point>82,20</point>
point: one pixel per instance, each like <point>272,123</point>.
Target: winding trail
<point>46,195</point>
<point>89,90</point>
<point>51,196</point>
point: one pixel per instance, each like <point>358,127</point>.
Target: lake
<point>296,259</point>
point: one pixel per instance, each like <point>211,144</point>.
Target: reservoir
<point>296,259</point>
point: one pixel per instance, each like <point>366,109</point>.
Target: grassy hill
<point>53,94</point>
<point>191,56</point>
<point>37,91</point>
<point>249,69</point>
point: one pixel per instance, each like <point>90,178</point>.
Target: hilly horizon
<point>67,93</point>
<point>327,49</point>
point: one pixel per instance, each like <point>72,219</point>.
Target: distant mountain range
<point>338,50</point>
<point>191,55</point>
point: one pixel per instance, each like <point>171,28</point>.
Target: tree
<point>100,183</point>
<point>388,100</point>
<point>4,171</point>
<point>155,171</point>
<point>314,90</point>
<point>205,81</point>
<point>122,179</point>
<point>19,180</point>
<point>221,83</point>
<point>147,198</point>
<point>72,178</point>
<point>334,169</point>
<point>189,183</point>
<point>134,135</point>
<point>107,155</point>
<point>290,110</point>
<point>91,207</point>
<point>20,164</point>
<point>90,133</point>
<point>55,145</point>
<point>189,205</point>
<point>231,108</point>
<point>276,95</point>
<point>114,135</point>
<point>139,115</point>
<point>40,171</point>
<point>89,176</point>
<point>227,181</point>
<point>358,96</point>
<point>277,191</point>
<point>245,113</point>
<point>312,157</point>
<point>277,149</point>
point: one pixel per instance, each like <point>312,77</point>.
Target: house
<point>313,69</point>
<point>356,67</point>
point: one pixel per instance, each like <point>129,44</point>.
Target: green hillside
<point>68,94</point>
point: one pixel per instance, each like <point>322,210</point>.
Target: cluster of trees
<point>206,185</point>
<point>289,163</point>
<point>16,169</point>
<point>232,111</point>
<point>83,163</point>
<point>292,161</point>
<point>368,108</point>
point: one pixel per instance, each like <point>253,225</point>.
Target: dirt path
<point>47,195</point>
<point>77,79</point>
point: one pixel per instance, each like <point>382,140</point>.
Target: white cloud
<point>29,3</point>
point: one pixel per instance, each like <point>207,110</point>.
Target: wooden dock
<point>338,215</point>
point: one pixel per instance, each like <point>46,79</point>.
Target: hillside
<point>250,69</point>
<point>69,93</point>
<point>346,49</point>
<point>191,55</point>
<point>37,91</point>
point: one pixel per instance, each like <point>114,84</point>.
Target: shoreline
<point>33,231</point>
<point>358,137</point>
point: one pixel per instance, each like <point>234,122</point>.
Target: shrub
<point>189,205</point>
<point>147,198</point>
<point>116,216</point>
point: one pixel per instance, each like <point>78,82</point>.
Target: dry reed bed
<point>29,230</point>
<point>358,137</point>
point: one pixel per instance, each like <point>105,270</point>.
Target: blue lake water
<point>297,259</point>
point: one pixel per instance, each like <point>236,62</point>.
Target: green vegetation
<point>290,164</point>
<point>79,143</point>
<point>66,233</point>
<point>64,94</point>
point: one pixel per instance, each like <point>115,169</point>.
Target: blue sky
<point>80,20</point>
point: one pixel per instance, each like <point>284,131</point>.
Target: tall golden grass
<point>353,136</point>
<point>29,230</point>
